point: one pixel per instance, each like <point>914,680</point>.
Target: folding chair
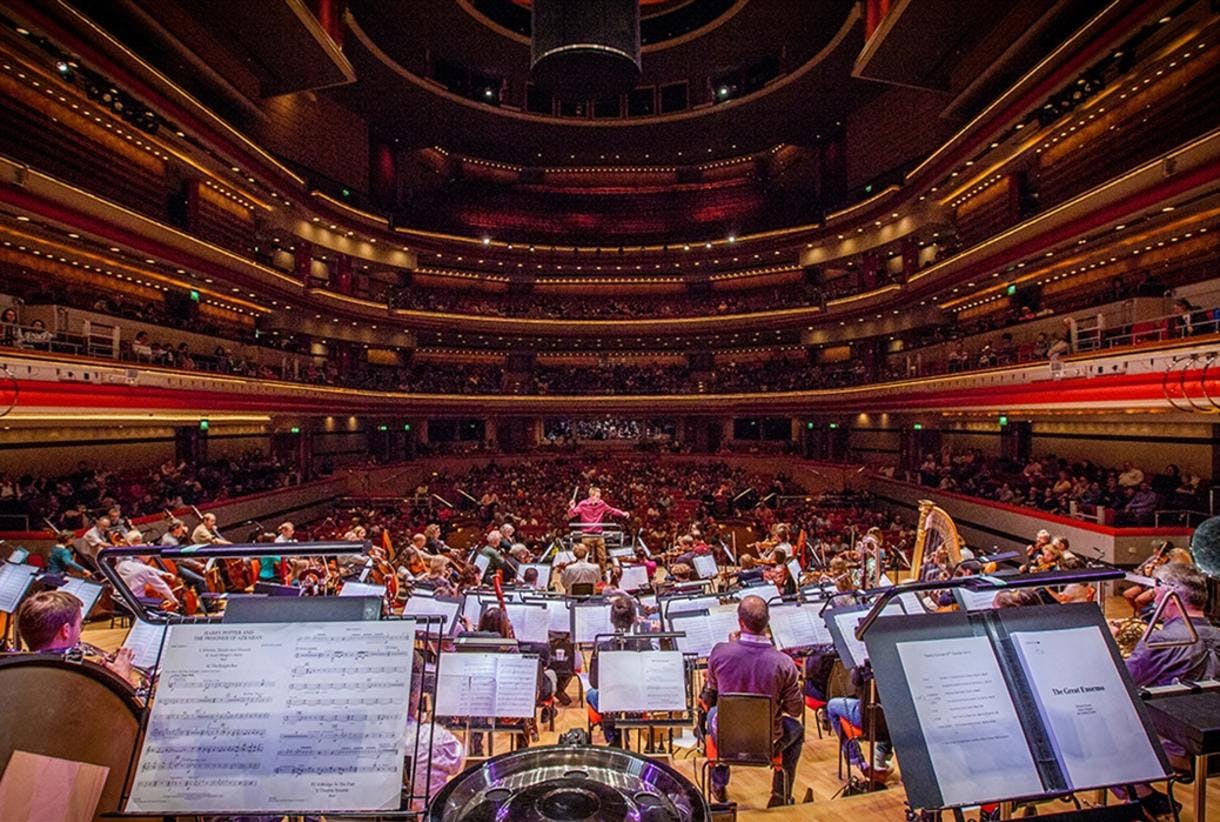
<point>743,737</point>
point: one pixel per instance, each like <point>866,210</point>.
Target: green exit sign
<point>383,428</point>
<point>1011,290</point>
<point>918,426</point>
<point>1003,420</point>
<point>203,425</point>
<point>194,296</point>
<point>833,425</point>
<point>296,429</point>
<point>406,426</point>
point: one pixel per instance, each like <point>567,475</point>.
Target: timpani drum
<point>76,711</point>
<point>562,782</point>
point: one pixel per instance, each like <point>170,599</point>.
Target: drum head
<point>73,711</point>
<point>574,784</point>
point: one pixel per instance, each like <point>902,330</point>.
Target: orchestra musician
<point>622,619</point>
<point>146,581</point>
<point>62,561</point>
<point>591,513</point>
<point>50,622</point>
<point>581,571</point>
<point>191,571</point>
<point>95,539</point>
<point>206,533</point>
<point>1140,597</point>
<point>749,664</point>
<point>1150,665</point>
<point>434,754</point>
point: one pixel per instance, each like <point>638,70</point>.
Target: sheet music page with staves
<point>281,717</point>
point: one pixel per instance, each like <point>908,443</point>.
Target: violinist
<point>1048,557</point>
<point>750,570</point>
<point>1041,540</point>
<point>49,622</point>
<point>433,543</point>
<point>783,579</point>
<point>1141,597</point>
<point>286,532</point>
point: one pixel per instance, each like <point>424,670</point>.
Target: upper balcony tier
<point>1053,170</point>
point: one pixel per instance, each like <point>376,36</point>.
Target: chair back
<point>581,589</point>
<point>743,728</point>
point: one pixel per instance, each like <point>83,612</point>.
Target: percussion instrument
<point>564,782</point>
<point>76,711</point>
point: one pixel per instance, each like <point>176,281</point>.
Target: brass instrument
<point>1128,633</point>
<point>934,529</point>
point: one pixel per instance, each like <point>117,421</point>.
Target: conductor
<point>590,513</point>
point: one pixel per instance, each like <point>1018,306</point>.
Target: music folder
<point>1010,704</point>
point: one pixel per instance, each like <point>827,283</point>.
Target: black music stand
<point>884,639</point>
<point>667,720</point>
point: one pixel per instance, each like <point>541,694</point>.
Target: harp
<point>935,529</point>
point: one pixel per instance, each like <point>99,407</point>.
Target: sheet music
<point>911,602</point>
<point>482,561</point>
<point>418,605</point>
<point>84,590</point>
<point>794,571</point>
<point>486,685</point>
<point>144,640</point>
<point>637,681</point>
<point>531,623</point>
<point>975,600</point>
<point>798,626</point>
<point>672,607</point>
<point>473,604</point>
<point>705,566</point>
<point>14,580</point>
<point>848,621</point>
<point>591,620</point>
<point>968,720</point>
<point>544,574</point>
<point>704,630</point>
<point>1086,708</point>
<point>559,615</point>
<point>278,717</point>
<point>360,589</point>
<point>634,578</point>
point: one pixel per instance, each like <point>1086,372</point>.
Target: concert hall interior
<point>529,409</point>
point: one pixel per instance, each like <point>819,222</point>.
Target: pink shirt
<point>591,512</point>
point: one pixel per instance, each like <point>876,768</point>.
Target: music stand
<point>993,650</point>
<point>667,718</point>
<point>15,583</point>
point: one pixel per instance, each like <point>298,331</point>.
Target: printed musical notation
<point>317,719</point>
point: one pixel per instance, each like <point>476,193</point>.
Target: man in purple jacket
<point>590,513</point>
<point>749,664</point>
